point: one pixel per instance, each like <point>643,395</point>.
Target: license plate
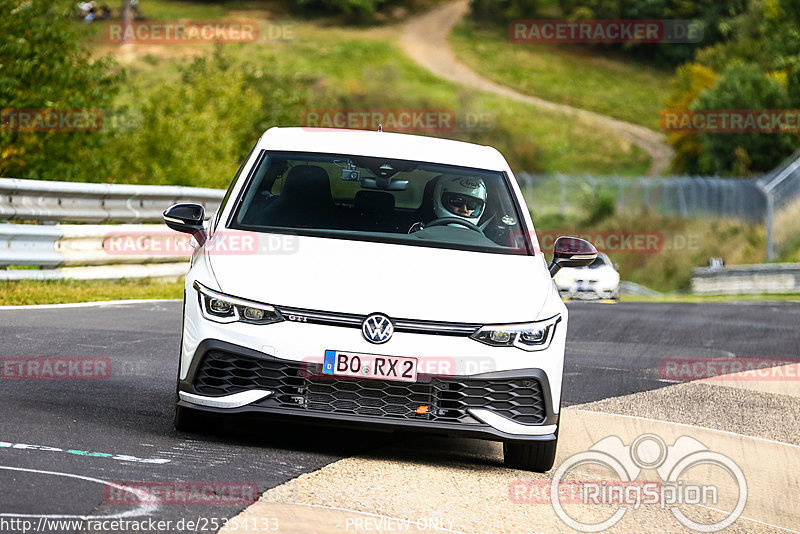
<point>355,364</point>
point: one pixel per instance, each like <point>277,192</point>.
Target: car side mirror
<point>187,218</point>
<point>571,252</point>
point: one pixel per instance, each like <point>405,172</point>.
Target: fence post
<point>682,198</point>
<point>528,179</point>
<point>770,200</point>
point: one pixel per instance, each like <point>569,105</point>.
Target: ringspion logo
<point>683,482</point>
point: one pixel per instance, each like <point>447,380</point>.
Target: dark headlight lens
<point>525,336</point>
<point>253,314</point>
<point>223,308</point>
<point>220,307</point>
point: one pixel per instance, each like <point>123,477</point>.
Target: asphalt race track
<point>61,441</point>
<point>617,349</point>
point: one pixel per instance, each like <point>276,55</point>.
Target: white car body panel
<point>399,280</point>
<point>403,281</point>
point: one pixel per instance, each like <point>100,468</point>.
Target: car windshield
<point>597,263</point>
<point>385,200</point>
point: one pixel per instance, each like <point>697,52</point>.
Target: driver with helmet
<point>461,197</point>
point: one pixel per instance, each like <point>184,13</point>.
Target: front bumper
<point>588,292</point>
<point>505,405</point>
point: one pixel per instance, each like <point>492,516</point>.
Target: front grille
<point>304,387</point>
<point>352,320</point>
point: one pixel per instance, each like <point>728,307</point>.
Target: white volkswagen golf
<point>376,279</point>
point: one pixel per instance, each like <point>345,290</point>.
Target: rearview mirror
<point>384,184</point>
<point>187,218</point>
<point>571,252</point>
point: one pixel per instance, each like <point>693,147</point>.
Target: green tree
<point>689,81</point>
<point>713,15</point>
<point>343,6</point>
<point>503,11</point>
<point>760,65</point>
<point>743,86</point>
<point>197,132</point>
<point>44,66</point>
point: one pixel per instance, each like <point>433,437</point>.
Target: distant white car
<point>599,280</point>
<point>411,297</point>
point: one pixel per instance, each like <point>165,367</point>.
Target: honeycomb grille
<point>303,386</point>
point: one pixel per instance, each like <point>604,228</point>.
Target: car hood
<point>402,281</point>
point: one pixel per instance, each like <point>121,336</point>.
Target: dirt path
<point>424,38</point>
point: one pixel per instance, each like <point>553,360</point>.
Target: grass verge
<point>16,293</point>
<point>680,245</point>
<point>568,74</point>
<point>21,292</point>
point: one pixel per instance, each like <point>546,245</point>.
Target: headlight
<point>222,308</point>
<point>525,336</point>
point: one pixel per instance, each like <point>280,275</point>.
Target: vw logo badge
<point>377,328</point>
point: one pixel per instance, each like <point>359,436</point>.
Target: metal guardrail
<point>779,187</point>
<point>87,251</point>
<point>38,200</point>
<point>747,279</point>
<point>27,244</point>
<point>784,181</point>
<point>101,251</point>
<point>158,271</point>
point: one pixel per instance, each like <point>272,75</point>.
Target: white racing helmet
<point>463,197</point>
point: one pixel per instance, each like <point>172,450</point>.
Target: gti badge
<point>377,328</point>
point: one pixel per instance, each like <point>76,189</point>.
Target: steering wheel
<point>453,220</point>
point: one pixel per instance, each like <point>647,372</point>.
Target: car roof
<point>382,145</point>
